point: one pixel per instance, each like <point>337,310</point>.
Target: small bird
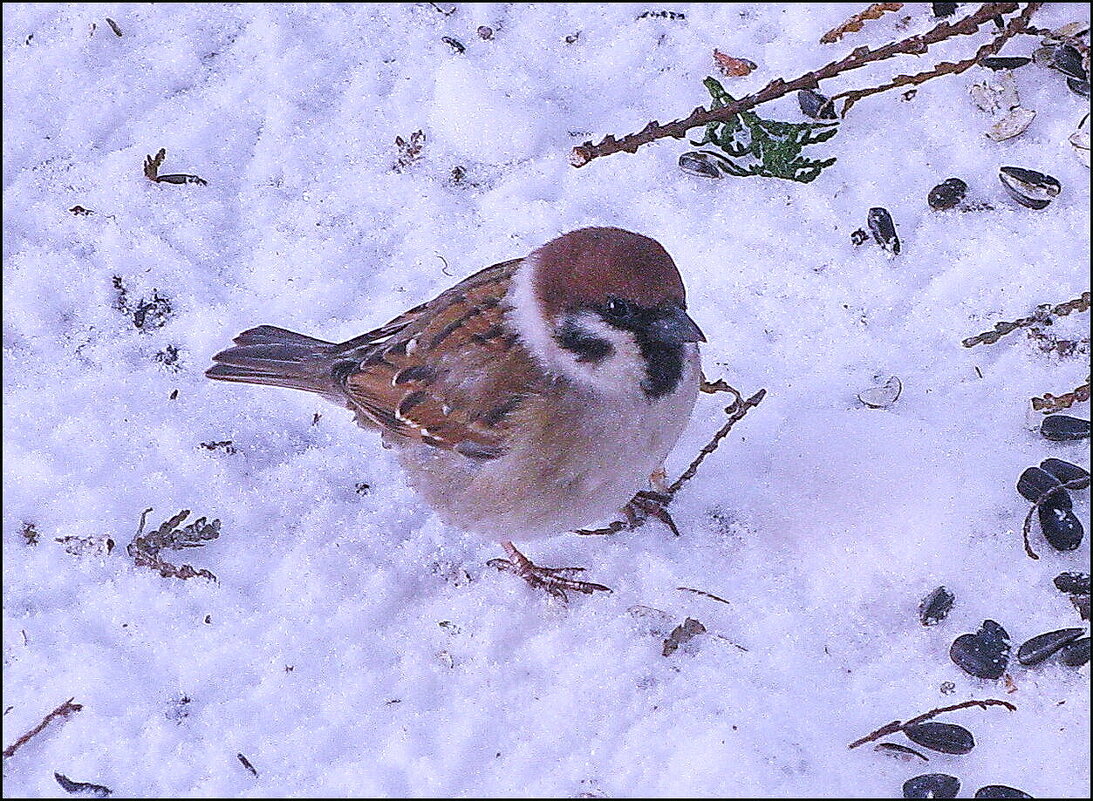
<point>537,396</point>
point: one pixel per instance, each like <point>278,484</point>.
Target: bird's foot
<point>649,504</point>
<point>555,580</point>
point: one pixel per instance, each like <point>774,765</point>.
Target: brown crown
<point>587,266</point>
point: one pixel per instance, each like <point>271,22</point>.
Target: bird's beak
<point>676,327</point>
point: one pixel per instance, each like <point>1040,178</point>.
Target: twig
<point>736,412</point>
<point>855,23</point>
<point>896,725</point>
<point>1049,403</point>
<point>707,594</point>
<point>860,57</point>
<point>1018,24</point>
<point>1077,483</point>
<point>63,711</point>
<point>1042,315</point>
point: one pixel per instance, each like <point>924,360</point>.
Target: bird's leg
<point>555,580</point>
<point>647,503</point>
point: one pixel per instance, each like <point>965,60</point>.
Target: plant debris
<point>29,533</point>
<point>168,357</point>
<point>767,148</point>
<point>145,549</point>
<point>247,764</point>
<point>683,633</point>
<point>146,314</point>
<point>1049,403</point>
<point>78,546</point>
<point>897,725</point>
<point>82,788</point>
<point>80,211</point>
<point>856,22</point>
<point>409,151</point>
<point>151,172</point>
<point>63,711</point>
<point>113,26</point>
<point>732,67</point>
<point>900,752</point>
<point>223,445</point>
<point>1042,315</point>
<point>454,44</point>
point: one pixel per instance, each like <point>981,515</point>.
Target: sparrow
<point>536,396</point>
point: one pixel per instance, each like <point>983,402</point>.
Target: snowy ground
<point>352,644</point>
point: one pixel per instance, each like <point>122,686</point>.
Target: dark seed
<point>1068,60</point>
<point>1028,187</point>
<point>858,237</point>
<point>1034,482</point>
<point>944,9</point>
<point>883,229</point>
<point>1060,428</point>
<point>1081,605</point>
<point>454,44</point>
<point>1000,791</point>
<point>698,163</point>
<point>935,606</point>
<point>901,752</point>
<point>943,737</point>
<point>947,194</point>
<point>1004,62</point>
<point>1078,86</point>
<point>1042,646</point>
<point>815,105</point>
<point>1066,472</point>
<point>1062,529</point>
<point>931,785</point>
<point>1073,583</point>
<point>1075,654</point>
<point>983,654</point>
<point>485,32</point>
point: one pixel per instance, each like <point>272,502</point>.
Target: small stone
<point>944,737</point>
<point>1035,482</point>
<point>1067,473</point>
<point>1062,529</point>
<point>931,785</point>
<point>883,229</point>
<point>1073,583</point>
<point>1075,654</point>
<point>1028,187</point>
<point>935,606</point>
<point>947,194</point>
<point>815,105</point>
<point>983,654</point>
<point>1061,428</point>
<point>1004,62</point>
<point>698,163</point>
<point>1000,791</point>
<point>1040,647</point>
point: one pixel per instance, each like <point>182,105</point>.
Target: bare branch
<point>63,711</point>
<point>897,725</point>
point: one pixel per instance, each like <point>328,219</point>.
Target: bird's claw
<point>554,580</point>
<point>649,504</point>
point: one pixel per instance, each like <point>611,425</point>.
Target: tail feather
<point>277,357</point>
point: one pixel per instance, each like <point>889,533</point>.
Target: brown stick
<point>860,57</point>
<point>736,412</point>
<point>896,725</point>
<point>63,711</point>
<point>1018,24</point>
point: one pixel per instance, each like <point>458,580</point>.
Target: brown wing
<point>449,372</point>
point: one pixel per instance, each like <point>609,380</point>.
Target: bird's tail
<point>279,358</point>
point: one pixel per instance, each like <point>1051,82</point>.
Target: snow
<point>353,645</point>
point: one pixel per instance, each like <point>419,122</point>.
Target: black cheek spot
<point>589,348</point>
<point>663,367</point>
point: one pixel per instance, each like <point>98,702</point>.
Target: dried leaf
<point>856,22</point>
<point>731,66</point>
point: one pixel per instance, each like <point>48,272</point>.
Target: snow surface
<point>352,644</point>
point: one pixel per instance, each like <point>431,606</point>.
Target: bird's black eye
<point>617,308</point>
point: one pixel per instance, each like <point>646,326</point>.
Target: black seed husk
<point>815,105</point>
<point>944,737</point>
<point>1035,482</point>
<point>698,163</point>
<point>1062,529</point>
<point>1000,791</point>
<point>935,606</point>
<point>1068,60</point>
<point>1073,583</point>
<point>944,9</point>
<point>1061,428</point>
<point>1066,472</point>
<point>1028,187</point>
<point>883,229</point>
<point>931,785</point>
<point>1040,647</point>
<point>1004,62</point>
<point>902,752</point>
<point>947,194</point>
<point>983,654</point>
<point>1078,86</point>
<point>1075,654</point>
